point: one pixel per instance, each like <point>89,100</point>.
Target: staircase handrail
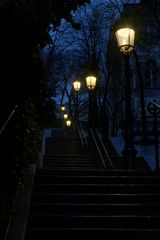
<point>98,149</point>
<point>104,148</point>
<point>84,136</point>
<point>81,130</point>
<point>155,104</point>
<point>79,133</point>
<point>8,119</point>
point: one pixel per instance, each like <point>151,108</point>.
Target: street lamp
<point>65,116</point>
<point>76,86</point>
<point>91,84</point>
<point>63,108</point>
<point>68,123</point>
<point>125,40</point>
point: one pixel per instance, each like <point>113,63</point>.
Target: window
<point>150,74</point>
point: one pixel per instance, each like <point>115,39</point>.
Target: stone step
<point>43,197</point>
<point>96,172</point>
<point>96,208</point>
<point>97,179</point>
<point>140,234</point>
<point>74,196</point>
<point>98,188</point>
<point>92,221</point>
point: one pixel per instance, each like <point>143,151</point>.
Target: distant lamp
<point>65,116</point>
<point>68,123</point>
<point>63,108</point>
<point>76,85</point>
<point>91,82</point>
<point>125,39</point>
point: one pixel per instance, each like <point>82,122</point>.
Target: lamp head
<point>65,116</point>
<point>125,39</point>
<point>91,82</point>
<point>77,85</point>
<point>63,108</point>
<point>68,123</point>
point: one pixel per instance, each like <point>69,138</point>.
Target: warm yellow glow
<point>76,85</point>
<point>63,108</point>
<point>125,39</point>
<point>68,123</point>
<point>91,82</point>
<point>65,116</point>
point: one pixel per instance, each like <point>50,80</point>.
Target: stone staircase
<point>74,196</point>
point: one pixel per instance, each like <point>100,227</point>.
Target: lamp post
<point>76,86</point>
<point>63,108</point>
<point>125,40</point>
<point>91,84</point>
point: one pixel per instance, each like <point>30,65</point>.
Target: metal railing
<point>81,133</point>
<point>155,104</point>
<point>98,148</point>
<point>104,148</point>
<point>101,149</point>
<point>8,119</point>
<point>5,192</point>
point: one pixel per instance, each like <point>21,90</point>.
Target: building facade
<point>144,67</point>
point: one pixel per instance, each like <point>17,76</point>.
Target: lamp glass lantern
<point>91,82</point>
<point>63,108</point>
<point>68,123</point>
<point>76,85</point>
<point>65,116</point>
<point>125,39</point>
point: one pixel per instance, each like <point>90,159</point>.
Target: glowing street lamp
<point>63,108</point>
<point>125,40</point>
<point>76,85</point>
<point>91,82</point>
<point>65,116</point>
<point>91,85</point>
<point>68,123</point>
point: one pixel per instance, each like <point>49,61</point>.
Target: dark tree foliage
<point>24,27</point>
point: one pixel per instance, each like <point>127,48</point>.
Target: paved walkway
<point>148,152</point>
